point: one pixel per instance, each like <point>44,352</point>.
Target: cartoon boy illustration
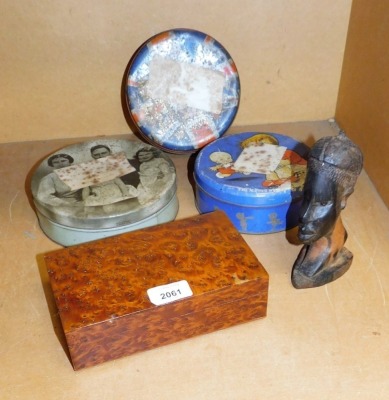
<point>224,164</point>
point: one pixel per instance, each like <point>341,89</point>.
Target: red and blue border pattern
<point>181,129</point>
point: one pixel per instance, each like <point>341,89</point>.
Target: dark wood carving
<point>100,288</point>
<point>334,164</point>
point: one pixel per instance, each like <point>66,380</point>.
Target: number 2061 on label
<point>164,294</point>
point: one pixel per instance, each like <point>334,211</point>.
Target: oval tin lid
<point>183,90</point>
<point>253,169</point>
<point>104,183</point>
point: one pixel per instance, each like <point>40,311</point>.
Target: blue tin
<point>256,178</point>
<point>182,90</point>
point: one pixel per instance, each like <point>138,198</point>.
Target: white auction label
<point>164,294</point>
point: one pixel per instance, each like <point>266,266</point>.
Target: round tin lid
<point>104,183</point>
<point>183,90</point>
<point>253,169</point>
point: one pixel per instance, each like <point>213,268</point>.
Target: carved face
<point>322,203</point>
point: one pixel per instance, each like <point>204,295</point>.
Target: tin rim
<point>173,202</point>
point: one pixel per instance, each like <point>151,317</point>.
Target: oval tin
<point>102,188</point>
<point>256,178</point>
<point>183,90</point>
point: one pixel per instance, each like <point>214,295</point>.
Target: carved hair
<point>338,158</point>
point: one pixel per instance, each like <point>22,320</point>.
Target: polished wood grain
<point>100,288</point>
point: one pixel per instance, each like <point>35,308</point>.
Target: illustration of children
<point>262,154</point>
<point>224,164</point>
<point>291,168</point>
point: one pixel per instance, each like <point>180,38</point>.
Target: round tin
<point>102,188</point>
<point>183,90</point>
<point>256,178</point>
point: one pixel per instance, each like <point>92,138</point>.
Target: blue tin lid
<point>252,169</point>
<point>183,90</point>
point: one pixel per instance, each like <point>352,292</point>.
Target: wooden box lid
<point>103,285</point>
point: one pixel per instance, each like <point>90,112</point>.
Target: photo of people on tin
<point>104,178</point>
<point>52,190</point>
<point>104,192</point>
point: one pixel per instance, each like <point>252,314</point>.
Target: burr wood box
<point>155,286</point>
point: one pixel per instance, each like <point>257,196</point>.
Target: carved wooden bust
<point>334,165</point>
